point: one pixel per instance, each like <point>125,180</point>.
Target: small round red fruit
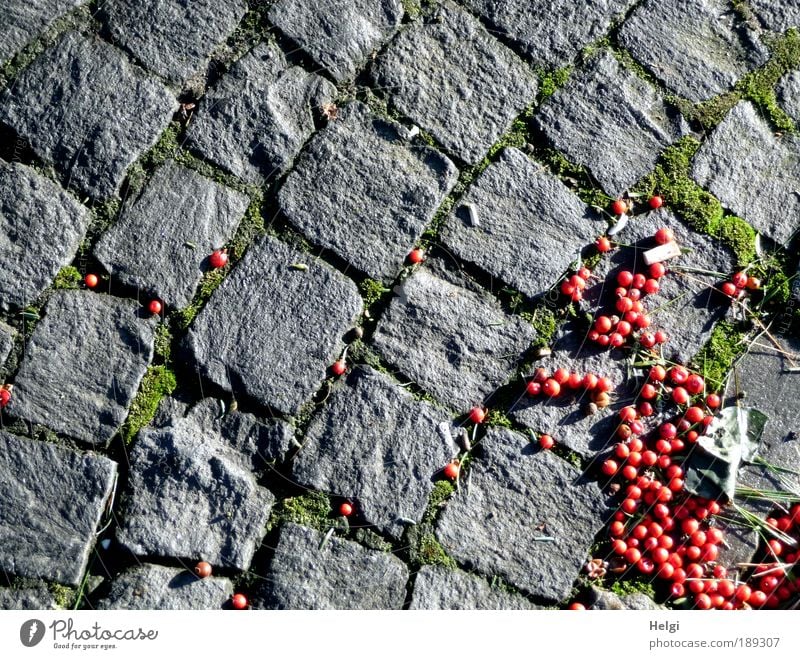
<point>577,606</point>
<point>546,442</point>
<point>218,258</point>
<point>619,206</point>
<point>739,280</point>
<point>155,307</point>
<point>339,367</point>
<point>477,415</point>
<point>713,401</point>
<point>728,288</point>
<point>656,202</point>
<point>239,601</point>
<point>416,256</point>
<point>625,278</point>
<point>551,387</point>
<point>533,388</point>
<point>5,396</point>
<point>603,244</point>
<point>345,509</point>
<point>664,235</point>
<point>203,569</point>
<point>451,471</point>
<point>680,395</point>
<point>91,280</point>
<point>657,270</point>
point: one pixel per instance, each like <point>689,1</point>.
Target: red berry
<point>743,593</point>
<point>661,336</point>
<point>603,324</point>
<point>155,307</point>
<point>203,569</point>
<point>649,392</point>
<point>345,509</point>
<point>680,395</point>
<point>5,396</point>
<point>638,280</point>
<point>657,270</point>
<point>667,430</point>
<point>658,373</point>
<point>632,555</point>
<point>625,278</point>
<point>701,600</point>
<point>609,467</point>
<point>590,381</point>
<point>619,207</point>
<point>648,340</point>
<point>561,375</point>
<point>651,287</point>
<point>629,505</point>
<point>546,442</point>
<point>694,415</point>
<point>624,327</point>
<point>584,273</point>
<point>451,471</point>
<point>577,606</point>
<point>728,288</point>
<point>656,202</point>
<point>603,244</point>
<point>574,380</point>
<point>551,387</point>
<point>603,340</point>
<point>90,280</point>
<point>239,601</point>
<point>477,415</point>
<point>628,413</point>
<point>624,304</point>
<point>757,599</point>
<point>713,401</point>
<point>645,409</point>
<point>339,367</point>
<point>533,388</point>
<point>567,288</point>
<point>218,259</point>
<point>416,255</point>
<point>753,283</point>
<point>604,384</point>
<point>664,235</point>
<point>678,374</point>
<point>739,280</point>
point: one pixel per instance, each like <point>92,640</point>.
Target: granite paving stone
<point>41,227</point>
<point>150,586</point>
<point>518,494</point>
<point>453,78</point>
<point>698,48</point>
<point>161,242</point>
<point>456,344</point>
<point>7,334</point>
<point>24,599</point>
<point>441,588</point>
<point>611,121</point>
<point>744,155</point>
<point>51,502</point>
<point>777,15</point>
<point>83,365</point>
<point>361,190</point>
<point>605,600</point>
<point>340,36</point>
<point>173,38</point>
<point>22,21</point>
<point>85,109</point>
<point>788,93</point>
<point>259,115</point>
<point>191,494</point>
<point>374,443</point>
<point>277,358</point>
<point>521,212</point>
<point>308,573</point>
<point>550,32</point>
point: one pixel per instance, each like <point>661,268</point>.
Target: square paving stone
<point>51,501</point>
<point>148,246</point>
<point>528,226</point>
<point>259,115</point>
<point>777,15</point>
<point>454,79</point>
<point>21,21</point>
<point>610,120</point>
<point>788,92</point>
<point>454,343</point>
<point>550,32</point>
<point>742,157</point>
<point>192,495</point>
<point>41,228</point>
<point>340,36</point>
<point>698,48</point>
<point>307,573</point>
<point>87,111</point>
<point>373,442</point>
<point>151,587</point>
<point>277,358</point>
<point>173,38</point>
<point>518,495</point>
<point>441,588</point>
<point>360,190</point>
<point>83,365</point>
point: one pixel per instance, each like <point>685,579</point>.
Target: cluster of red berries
<point>615,330</point>
<point>5,395</point>
<point>574,285</point>
<point>620,206</point>
<point>735,288</point>
<point>562,380</point>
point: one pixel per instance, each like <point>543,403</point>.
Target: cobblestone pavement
<point>278,277</point>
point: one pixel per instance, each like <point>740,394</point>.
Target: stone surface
<point>41,227</point>
<point>191,494</point>
<point>360,190</point>
<point>522,213</point>
<point>148,246</point>
<point>150,586</point>
<point>279,358</point>
<point>788,92</point>
<point>456,344</point>
<point>437,587</point>
<point>518,494</point>
<point>259,115</point>
<point>340,36</point>
<point>696,47</point>
<point>172,38</point>
<point>51,501</point>
<point>308,573</point>
<point>19,599</point>
<point>87,111</point>
<point>372,442</point>
<point>22,21</point>
<point>454,79</point>
<point>777,15</point>
<point>6,341</point>
<point>550,32</point>
<point>83,365</point>
<point>742,156</point>
<point>605,600</point>
<point>610,120</point>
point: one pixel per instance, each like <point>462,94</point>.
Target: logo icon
<point>31,633</point>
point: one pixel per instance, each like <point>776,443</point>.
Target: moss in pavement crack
<point>159,381</point>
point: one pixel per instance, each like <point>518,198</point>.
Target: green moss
<point>372,291</point>
<point>551,81</point>
<point>251,226</point>
<point>442,491</point>
<point>633,585</point>
<point>371,539</point>
<point>716,357</point>
<point>64,596</point>
<point>627,61</point>
<point>545,323</point>
<point>159,381</point>
<point>577,175</point>
<point>162,343</point>
<point>68,278</point>
<point>312,509</point>
<point>210,282</point>
<point>423,547</point>
<point>360,353</point>
<point>413,8</point>
<point>498,418</point>
<point>428,551</point>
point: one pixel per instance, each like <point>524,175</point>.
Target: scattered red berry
<point>451,471</point>
<point>339,367</point>
<point>416,256</point>
<point>739,280</point>
<point>218,258</point>
<point>203,569</point>
<point>155,307</point>
<point>5,396</point>
<point>603,244</point>
<point>656,202</point>
<point>551,387</point>
<point>91,280</point>
<point>729,288</point>
<point>477,415</point>
<point>664,235</point>
<point>546,442</point>
<point>657,270</point>
<point>619,206</point>
<point>346,509</point>
<point>239,601</point>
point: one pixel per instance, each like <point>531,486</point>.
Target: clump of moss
<point>311,509</point>
<point>159,381</point>
<point>413,8</point>
<point>63,596</point>
<point>545,323</point>
<point>210,282</point>
<point>372,291</point>
<point>68,278</point>
<point>428,551</point>
<point>715,359</point>
<point>633,585</point>
<point>423,547</point>
<point>162,344</point>
<point>551,81</point>
<point>497,418</point>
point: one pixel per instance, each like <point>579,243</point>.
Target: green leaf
<point>731,439</point>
